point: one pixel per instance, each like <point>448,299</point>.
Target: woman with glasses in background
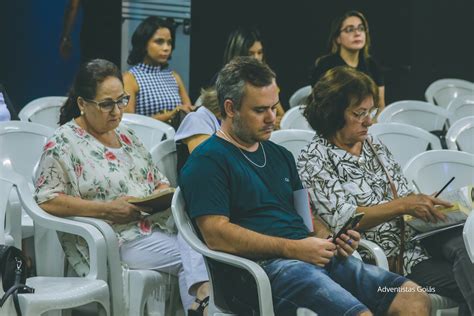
<point>349,44</point>
<point>348,171</point>
<point>92,166</point>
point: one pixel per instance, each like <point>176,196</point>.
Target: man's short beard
<point>239,130</point>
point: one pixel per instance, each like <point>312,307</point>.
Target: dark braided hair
<point>90,75</point>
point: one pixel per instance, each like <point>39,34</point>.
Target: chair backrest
<point>147,129</point>
<point>165,157</point>
<point>468,236</point>
<point>43,111</point>
<point>461,107</point>
<point>299,96</point>
<point>292,139</point>
<point>404,141</point>
<point>94,240</point>
<point>22,144</point>
<point>432,169</point>
<point>198,101</point>
<point>417,113</point>
<point>460,135</point>
<point>294,119</point>
<point>218,305</point>
<point>443,91</point>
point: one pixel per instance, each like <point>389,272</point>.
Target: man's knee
<point>410,300</point>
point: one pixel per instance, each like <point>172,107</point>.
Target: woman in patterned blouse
<point>342,168</point>
<point>92,166</point>
<point>154,89</point>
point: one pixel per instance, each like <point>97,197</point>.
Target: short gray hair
<point>232,78</point>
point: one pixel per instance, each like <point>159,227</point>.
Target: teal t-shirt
<point>218,179</point>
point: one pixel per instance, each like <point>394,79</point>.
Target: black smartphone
<point>350,224</point>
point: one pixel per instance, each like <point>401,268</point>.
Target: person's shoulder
<point>315,152</point>
<point>329,60</point>
<point>276,149</point>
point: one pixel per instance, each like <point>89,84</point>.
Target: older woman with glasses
<point>92,167</point>
<point>348,171</point>
<point>349,44</point>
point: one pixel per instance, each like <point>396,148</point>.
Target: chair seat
<point>67,293</point>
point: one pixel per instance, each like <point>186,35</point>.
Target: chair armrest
<point>261,278</point>
<point>376,251</point>
<point>115,277</point>
<point>93,237</point>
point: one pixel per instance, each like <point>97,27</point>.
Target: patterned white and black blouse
<point>158,89</point>
<point>341,182</point>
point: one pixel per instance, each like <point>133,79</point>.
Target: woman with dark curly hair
<point>349,171</point>
<point>349,44</point>
<point>155,90</point>
<point>91,167</point>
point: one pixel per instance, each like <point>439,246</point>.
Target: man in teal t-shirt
<point>238,188</point>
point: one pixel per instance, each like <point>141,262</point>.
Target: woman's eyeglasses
<point>107,106</point>
<point>361,116</point>
<point>351,29</point>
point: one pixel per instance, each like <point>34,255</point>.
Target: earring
<point>82,113</point>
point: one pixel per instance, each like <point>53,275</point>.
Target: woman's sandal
<point>200,309</point>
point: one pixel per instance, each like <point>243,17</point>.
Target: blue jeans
<point>342,287</point>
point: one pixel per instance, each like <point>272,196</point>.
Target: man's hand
<point>312,250</point>
<point>423,206</point>
<point>347,243</point>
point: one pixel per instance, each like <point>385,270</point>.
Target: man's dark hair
<point>230,84</point>
<point>340,88</point>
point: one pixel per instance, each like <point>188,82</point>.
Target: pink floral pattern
<point>145,226</point>
<point>50,144</point>
<point>109,156</point>
<point>125,139</point>
<point>76,164</point>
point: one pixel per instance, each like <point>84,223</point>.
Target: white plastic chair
<point>443,91</point>
<point>56,293</point>
<point>21,143</point>
<point>292,139</point>
<point>460,135</point>
<point>294,119</point>
<point>133,290</point>
<point>165,157</point>
<point>43,111</point>
<point>432,169</point>
<point>404,141</point>
<point>468,236</point>
<point>300,95</point>
<point>461,107</point>
<point>217,304</point>
<point>417,113</point>
<point>147,129</point>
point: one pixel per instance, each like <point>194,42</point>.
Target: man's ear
<point>229,108</point>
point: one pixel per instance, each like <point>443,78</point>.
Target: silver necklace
<point>243,154</point>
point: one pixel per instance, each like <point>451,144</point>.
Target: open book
<point>156,202</point>
<point>462,200</point>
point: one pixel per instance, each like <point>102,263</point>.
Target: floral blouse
<point>77,164</point>
<point>339,182</point>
